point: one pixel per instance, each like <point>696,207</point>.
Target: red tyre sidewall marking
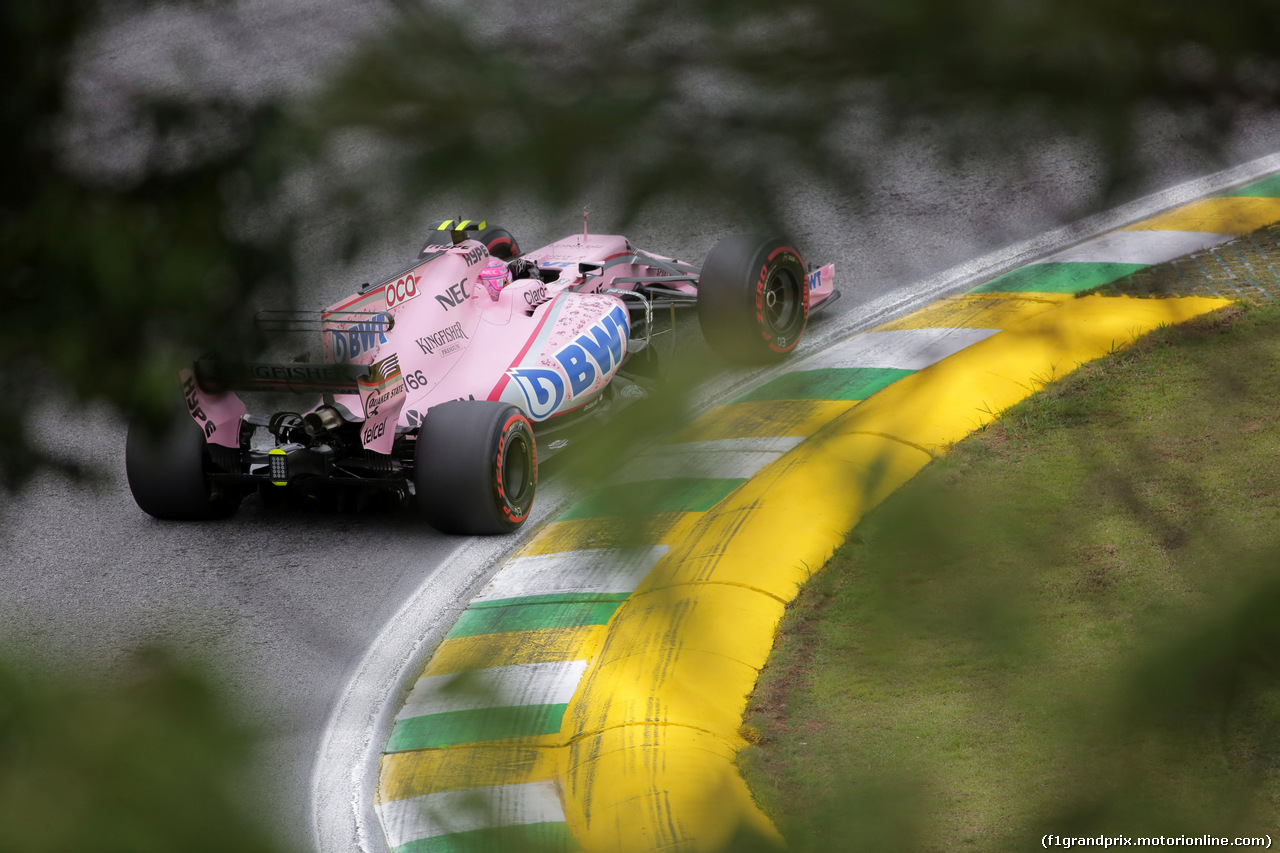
<point>504,503</point>
<point>804,298</point>
<point>500,242</point>
<point>761,325</point>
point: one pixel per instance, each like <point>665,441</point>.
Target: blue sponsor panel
<point>359,338</point>
<point>543,390</point>
<point>597,352</point>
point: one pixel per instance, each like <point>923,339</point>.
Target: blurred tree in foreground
<point>150,762</point>
<point>730,101</point>
<point>1066,626</point>
<point>116,278</point>
<point>111,281</point>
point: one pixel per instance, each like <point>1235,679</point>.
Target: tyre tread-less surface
<point>166,473</point>
<point>753,298</point>
<point>475,467</point>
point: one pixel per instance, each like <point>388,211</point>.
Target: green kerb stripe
<point>1265,188</point>
<point>451,728</point>
<point>652,497</point>
<point>1071,277</point>
<point>528,838</point>
<point>532,617</point>
<point>832,383</point>
<point>553,598</point>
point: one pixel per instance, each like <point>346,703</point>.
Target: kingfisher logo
<point>430,343</point>
<point>591,355</point>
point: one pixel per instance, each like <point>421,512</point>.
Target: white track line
<point>605,570</point>
<point>904,349</point>
<point>726,459</point>
<point>496,687</point>
<point>1138,247</point>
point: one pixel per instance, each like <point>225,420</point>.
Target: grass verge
<point>1069,625</point>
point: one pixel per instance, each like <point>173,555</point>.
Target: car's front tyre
<point>753,298</point>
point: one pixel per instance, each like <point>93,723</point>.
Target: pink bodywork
<point>546,348</point>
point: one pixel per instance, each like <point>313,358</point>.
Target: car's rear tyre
<point>167,473</point>
<point>753,298</point>
<point>475,467</point>
<point>498,241</point>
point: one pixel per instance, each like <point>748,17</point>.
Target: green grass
<point>1069,625</point>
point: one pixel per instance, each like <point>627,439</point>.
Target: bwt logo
<point>360,338</point>
<point>402,291</point>
<point>596,353</point>
<point>605,343</point>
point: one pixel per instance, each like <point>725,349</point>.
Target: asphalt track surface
<point>287,603</point>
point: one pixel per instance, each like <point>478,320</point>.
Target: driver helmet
<point>524,268</point>
<point>495,276</point>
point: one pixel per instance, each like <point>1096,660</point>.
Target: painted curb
<point>506,781</point>
<point>590,696</point>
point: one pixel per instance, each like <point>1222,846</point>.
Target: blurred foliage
<point>730,101</point>
<point>1066,626</point>
<point>148,762</point>
<point>113,281</point>
<point>118,277</point>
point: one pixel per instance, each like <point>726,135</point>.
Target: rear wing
<point>218,377</point>
<point>458,229</point>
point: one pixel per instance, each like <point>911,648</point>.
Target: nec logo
<point>454,296</point>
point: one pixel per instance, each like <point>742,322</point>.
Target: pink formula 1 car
<point>441,383</point>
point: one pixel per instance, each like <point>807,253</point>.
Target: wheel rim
<point>782,304</point>
<point>515,469</point>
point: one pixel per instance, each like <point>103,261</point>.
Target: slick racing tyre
<point>166,473</point>
<point>753,299</point>
<point>498,241</point>
<point>475,467</point>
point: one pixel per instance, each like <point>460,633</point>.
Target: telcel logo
<point>402,291</point>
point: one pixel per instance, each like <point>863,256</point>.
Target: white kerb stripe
<point>496,687</point>
<point>730,458</point>
<point>448,812</point>
<point>904,349</point>
<point>1138,247</point>
<point>600,570</point>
